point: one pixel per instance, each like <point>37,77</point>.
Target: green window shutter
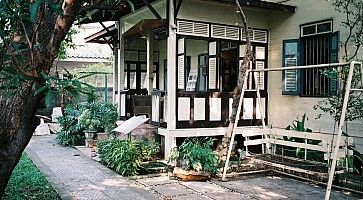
<point>291,57</point>
<point>334,58</point>
<point>181,61</point>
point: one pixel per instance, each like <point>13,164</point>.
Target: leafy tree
<point>31,34</point>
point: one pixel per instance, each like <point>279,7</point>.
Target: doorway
<point>229,66</point>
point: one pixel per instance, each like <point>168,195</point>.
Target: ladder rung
<point>356,90</point>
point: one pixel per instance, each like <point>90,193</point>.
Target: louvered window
<point>193,28</point>
<point>311,50</point>
<point>256,35</point>
<point>225,32</point>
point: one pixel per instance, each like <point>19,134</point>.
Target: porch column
<point>171,71</point>
<point>171,83</point>
<point>115,76</point>
<point>121,69</point>
<point>150,61</point>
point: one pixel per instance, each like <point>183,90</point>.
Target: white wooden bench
<point>272,137</point>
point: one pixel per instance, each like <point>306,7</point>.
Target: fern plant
<point>196,154</point>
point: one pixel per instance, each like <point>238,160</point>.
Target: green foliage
<point>27,182</point>
<point>71,133</point>
<point>72,87</point>
<point>98,116</point>
<point>125,156</point>
<point>122,156</point>
<point>67,43</point>
<point>196,154</point>
<point>148,148</point>
<point>299,125</point>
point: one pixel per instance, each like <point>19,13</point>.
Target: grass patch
<point>27,182</point>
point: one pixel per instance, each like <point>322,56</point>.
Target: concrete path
<point>76,176</point>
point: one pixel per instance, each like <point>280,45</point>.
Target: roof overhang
<point>109,34</point>
<point>266,5</point>
<point>138,30</point>
<point>142,27</point>
<point>98,15</point>
<point>105,36</point>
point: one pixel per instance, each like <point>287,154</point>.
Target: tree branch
<point>101,6</point>
<point>32,74</point>
<point>63,24</point>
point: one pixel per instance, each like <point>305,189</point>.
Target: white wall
<point>220,13</point>
<point>282,108</point>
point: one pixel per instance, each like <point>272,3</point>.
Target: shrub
<point>196,154</point>
<point>71,134</point>
<point>123,156</point>
<point>148,148</point>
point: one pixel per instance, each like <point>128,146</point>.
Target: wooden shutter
<point>181,63</point>
<point>291,57</point>
<point>334,58</point>
<point>213,65</point>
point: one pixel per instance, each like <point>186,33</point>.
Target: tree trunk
<point>237,91</point>
<point>12,151</point>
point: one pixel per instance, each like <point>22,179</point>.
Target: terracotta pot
<point>190,175</point>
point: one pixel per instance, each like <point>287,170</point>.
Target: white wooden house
<point>186,53</point>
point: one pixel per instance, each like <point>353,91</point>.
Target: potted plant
<point>195,160</point>
<point>98,119</point>
<point>90,120</point>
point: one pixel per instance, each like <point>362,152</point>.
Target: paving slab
<point>160,180</point>
<point>280,187</point>
<point>172,190</point>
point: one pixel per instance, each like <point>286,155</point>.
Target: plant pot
<point>102,136</point>
<point>190,175</point>
<point>89,134</point>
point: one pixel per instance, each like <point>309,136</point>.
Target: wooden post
<point>121,67</point>
<point>149,61</point>
<point>115,77</point>
<point>171,84</point>
<point>171,71</point>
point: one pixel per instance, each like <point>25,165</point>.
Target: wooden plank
<point>299,145</point>
<point>341,154</point>
<point>308,135</point>
<point>254,142</point>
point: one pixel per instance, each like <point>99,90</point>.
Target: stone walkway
<point>76,176</point>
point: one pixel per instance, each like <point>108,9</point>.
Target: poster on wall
<point>192,80</point>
